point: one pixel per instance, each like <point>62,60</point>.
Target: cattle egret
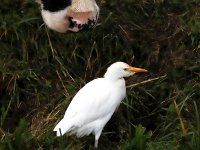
<point>94,104</point>
<point>69,15</point>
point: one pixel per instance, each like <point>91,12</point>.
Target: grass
<point>41,70</point>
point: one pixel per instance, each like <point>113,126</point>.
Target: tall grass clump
<point>41,70</point>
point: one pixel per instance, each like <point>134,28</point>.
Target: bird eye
<point>125,69</point>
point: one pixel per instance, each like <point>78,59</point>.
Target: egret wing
<point>91,102</point>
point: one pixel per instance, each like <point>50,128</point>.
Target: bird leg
<point>97,135</point>
<point>60,131</point>
<point>96,144</point>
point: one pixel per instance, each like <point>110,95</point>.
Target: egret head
<point>121,70</point>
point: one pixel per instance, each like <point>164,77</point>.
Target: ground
<point>41,70</point>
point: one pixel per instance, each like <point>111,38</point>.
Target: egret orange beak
<point>134,69</point>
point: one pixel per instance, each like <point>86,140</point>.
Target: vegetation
<point>41,70</point>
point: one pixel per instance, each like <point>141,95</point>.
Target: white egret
<point>94,104</point>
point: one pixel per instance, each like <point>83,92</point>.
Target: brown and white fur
<point>69,15</point>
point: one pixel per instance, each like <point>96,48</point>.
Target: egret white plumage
<point>94,104</point>
<point>69,15</point>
